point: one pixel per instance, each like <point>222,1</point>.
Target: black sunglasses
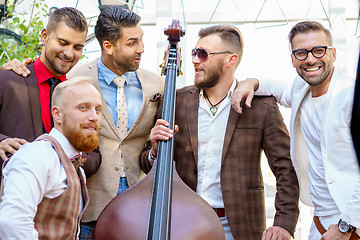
<point>202,54</point>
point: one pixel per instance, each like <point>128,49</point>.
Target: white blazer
<point>342,172</point>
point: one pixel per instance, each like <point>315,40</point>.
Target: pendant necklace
<point>213,108</point>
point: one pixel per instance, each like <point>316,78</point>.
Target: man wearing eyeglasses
<point>322,150</point>
<point>217,151</point>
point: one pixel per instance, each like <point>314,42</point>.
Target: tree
<point>21,37</point>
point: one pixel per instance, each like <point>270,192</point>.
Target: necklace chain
<point>213,108</point>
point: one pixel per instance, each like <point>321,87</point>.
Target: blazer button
<point>195,170</point>
<point>117,169</point>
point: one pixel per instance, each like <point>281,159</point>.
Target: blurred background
<point>264,24</point>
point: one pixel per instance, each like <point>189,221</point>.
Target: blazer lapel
<point>192,106</point>
<point>34,97</point>
<point>230,128</point>
<point>106,115</point>
<point>232,120</point>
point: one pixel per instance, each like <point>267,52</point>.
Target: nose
<point>68,52</point>
<point>195,60</point>
<point>310,58</point>
<point>94,115</point>
<point>141,48</point>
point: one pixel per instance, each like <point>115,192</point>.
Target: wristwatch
<point>345,227</point>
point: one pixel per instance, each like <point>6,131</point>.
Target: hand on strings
<point>161,131</point>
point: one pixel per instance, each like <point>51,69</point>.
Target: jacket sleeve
<point>280,90</point>
<point>278,155</point>
<point>92,163</point>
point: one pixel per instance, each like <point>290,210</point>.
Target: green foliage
<point>27,28</point>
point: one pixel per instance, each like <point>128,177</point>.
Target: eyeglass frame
<point>311,50</point>
<point>196,50</point>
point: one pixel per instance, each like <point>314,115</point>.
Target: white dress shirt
<point>33,173</point>
<point>211,133</point>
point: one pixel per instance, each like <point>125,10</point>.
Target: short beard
<point>80,142</point>
<point>55,67</point>
<point>211,78</point>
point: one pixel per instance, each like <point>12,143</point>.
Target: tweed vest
<point>58,218</point>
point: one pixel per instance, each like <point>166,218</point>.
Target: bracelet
<point>151,155</point>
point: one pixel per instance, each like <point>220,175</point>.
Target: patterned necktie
<point>53,82</point>
<point>122,119</point>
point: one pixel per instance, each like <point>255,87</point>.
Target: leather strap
<point>319,226</point>
<point>322,230</point>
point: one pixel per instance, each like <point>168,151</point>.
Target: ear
<point>44,36</point>
<point>56,114</point>
<point>333,54</point>
<point>108,47</point>
<point>232,60</point>
<point>292,59</point>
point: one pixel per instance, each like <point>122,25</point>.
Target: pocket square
<point>156,97</point>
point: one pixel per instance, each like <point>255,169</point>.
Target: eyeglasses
<point>202,54</point>
<point>318,52</point>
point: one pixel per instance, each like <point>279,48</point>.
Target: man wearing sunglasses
<point>217,151</point>
<point>321,145</point>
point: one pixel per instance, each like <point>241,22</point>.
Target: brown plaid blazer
<point>20,112</point>
<point>258,128</point>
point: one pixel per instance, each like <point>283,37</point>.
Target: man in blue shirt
<point>120,37</point>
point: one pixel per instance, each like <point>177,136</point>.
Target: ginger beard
<point>80,141</point>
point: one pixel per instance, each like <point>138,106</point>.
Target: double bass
<point>161,206</point>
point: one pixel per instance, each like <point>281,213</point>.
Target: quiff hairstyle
<point>308,26</point>
<point>72,17</point>
<point>58,97</point>
<point>230,34</point>
<point>111,21</point>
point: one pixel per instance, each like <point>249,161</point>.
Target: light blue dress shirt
<point>132,89</point>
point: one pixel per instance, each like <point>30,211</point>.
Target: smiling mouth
<point>91,128</point>
<point>313,69</point>
<point>65,60</point>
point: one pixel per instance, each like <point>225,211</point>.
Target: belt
<point>322,230</point>
<point>220,212</point>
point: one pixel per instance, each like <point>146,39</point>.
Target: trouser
<point>87,229</point>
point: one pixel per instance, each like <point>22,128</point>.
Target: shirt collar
<point>69,150</point>
<point>43,73</point>
<point>109,75</point>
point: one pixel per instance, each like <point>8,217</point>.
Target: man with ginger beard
<point>43,191</point>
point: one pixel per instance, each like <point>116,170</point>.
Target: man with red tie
<point>25,101</point>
